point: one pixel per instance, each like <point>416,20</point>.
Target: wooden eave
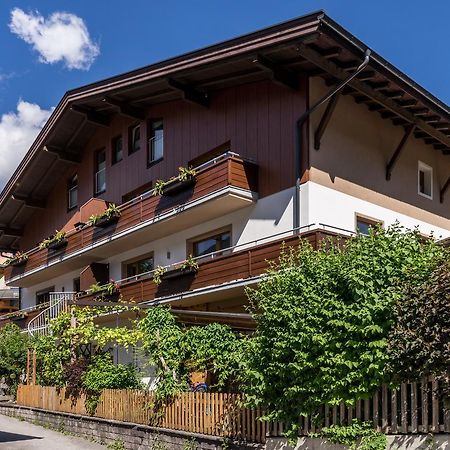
<point>312,45</point>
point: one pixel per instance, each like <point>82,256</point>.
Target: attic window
<point>425,180</point>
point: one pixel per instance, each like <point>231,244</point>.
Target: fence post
<point>34,368</point>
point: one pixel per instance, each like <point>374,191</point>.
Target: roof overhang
<point>312,45</point>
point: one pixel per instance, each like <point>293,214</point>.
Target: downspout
<point>299,135</point>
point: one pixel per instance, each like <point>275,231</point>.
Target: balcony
<point>220,276</point>
<point>223,185</point>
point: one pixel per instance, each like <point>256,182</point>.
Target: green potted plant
<point>54,242</point>
<point>158,273</point>
<point>109,291</point>
<point>108,217</point>
<point>187,267</point>
<point>19,259</point>
<point>185,179</point>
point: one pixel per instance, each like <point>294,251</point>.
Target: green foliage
<point>323,318</point>
<point>357,436</point>
<point>177,351</point>
<point>18,258</point>
<point>109,288</point>
<point>59,236</point>
<point>13,355</point>
<point>184,174</point>
<point>419,342</point>
<point>102,373</point>
<point>158,273</point>
<point>190,263</point>
<point>111,211</point>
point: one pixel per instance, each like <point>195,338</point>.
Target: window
<point>100,172</point>
<point>212,242</point>
<point>134,139</point>
<point>76,285</point>
<point>44,295</point>
<point>117,149</point>
<point>137,266</point>
<point>425,180</point>
<point>364,224</point>
<point>72,192</point>
<point>156,141</point>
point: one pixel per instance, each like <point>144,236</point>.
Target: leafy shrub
<point>102,373</point>
<point>323,318</point>
<point>419,342</point>
<point>13,355</point>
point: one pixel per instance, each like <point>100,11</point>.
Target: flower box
<point>179,272</point>
<point>18,262</point>
<point>107,297</point>
<point>56,245</point>
<point>176,186</point>
<point>104,222</point>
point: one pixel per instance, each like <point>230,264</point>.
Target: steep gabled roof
<point>312,45</point>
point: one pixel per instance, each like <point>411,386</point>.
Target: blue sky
<point>124,35</point>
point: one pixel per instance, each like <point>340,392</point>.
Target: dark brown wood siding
<point>258,119</point>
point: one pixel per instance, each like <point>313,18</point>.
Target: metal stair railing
<point>59,303</point>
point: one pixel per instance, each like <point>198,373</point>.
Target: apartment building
<point>376,151</point>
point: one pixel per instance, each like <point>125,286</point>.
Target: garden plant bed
<point>57,245</point>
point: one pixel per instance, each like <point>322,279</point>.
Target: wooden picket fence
<point>215,414</point>
<point>413,408</point>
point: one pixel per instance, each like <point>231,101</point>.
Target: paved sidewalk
<point>16,434</point>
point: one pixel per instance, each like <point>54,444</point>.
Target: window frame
<point>131,129</point>
<point>422,167</point>
<point>208,235</point>
<point>136,260</point>
<point>114,140</point>
<point>96,171</point>
<point>151,136</point>
<point>371,221</point>
<point>41,292</point>
<point>70,186</point>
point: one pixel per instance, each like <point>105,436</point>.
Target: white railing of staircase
<point>59,302</point>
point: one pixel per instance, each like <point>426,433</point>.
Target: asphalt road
<point>16,434</point>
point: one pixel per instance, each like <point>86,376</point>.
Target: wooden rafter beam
<point>331,106</point>
<point>63,155</point>
<point>444,190</point>
<point>7,231</point>
<point>190,94</point>
<point>29,201</point>
<point>278,73</point>
<point>364,89</point>
<point>390,166</point>
<point>92,116</point>
<point>393,94</point>
<point>125,109</point>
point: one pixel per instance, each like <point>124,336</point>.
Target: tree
<point>419,343</point>
<point>13,355</point>
<point>323,317</point>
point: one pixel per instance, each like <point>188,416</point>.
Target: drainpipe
<point>299,134</point>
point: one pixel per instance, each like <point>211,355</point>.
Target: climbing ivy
<point>176,351</point>
<point>323,318</point>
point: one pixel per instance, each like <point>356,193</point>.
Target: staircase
<point>59,303</point>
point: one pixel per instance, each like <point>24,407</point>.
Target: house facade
<point>376,152</point>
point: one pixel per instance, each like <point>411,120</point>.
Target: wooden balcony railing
<point>215,270</point>
<point>229,170</point>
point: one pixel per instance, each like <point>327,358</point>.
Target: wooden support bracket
<point>29,201</point>
<point>125,109</point>
<point>190,94</point>
<point>278,73</point>
<point>92,116</point>
<point>325,119</point>
<point>390,166</point>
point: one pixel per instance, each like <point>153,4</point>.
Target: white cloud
<point>17,132</point>
<point>60,37</point>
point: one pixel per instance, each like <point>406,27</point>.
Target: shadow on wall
<point>270,211</point>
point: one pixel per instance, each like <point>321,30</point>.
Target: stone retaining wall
<point>133,436</point>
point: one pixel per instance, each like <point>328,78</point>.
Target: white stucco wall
<point>321,204</point>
